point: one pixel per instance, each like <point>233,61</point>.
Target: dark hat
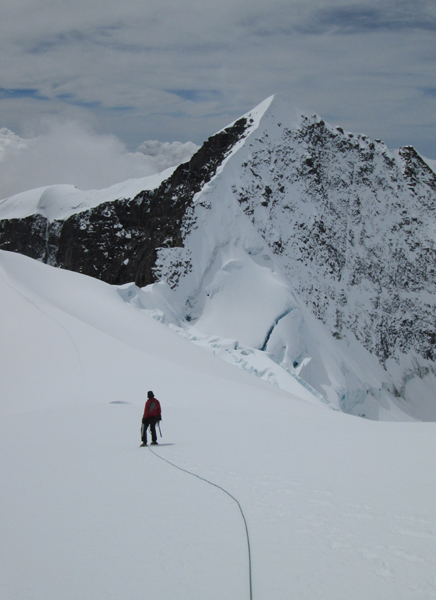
<point>150,395</point>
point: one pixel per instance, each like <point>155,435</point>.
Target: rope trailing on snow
<point>228,494</point>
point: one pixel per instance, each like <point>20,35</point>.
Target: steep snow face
<point>306,216</point>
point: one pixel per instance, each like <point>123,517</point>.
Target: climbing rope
<point>228,494</point>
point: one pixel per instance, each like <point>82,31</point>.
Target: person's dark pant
<point>149,422</point>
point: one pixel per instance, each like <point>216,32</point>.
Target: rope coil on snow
<point>228,494</point>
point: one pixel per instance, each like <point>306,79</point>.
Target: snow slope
<point>336,507</point>
<point>61,201</point>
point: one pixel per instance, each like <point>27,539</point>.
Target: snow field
<point>337,507</point>
<point>92,515</point>
<point>62,201</point>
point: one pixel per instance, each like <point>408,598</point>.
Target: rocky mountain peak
<point>339,227</point>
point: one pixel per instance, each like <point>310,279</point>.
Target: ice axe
<point>158,424</point>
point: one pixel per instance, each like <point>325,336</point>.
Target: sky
<point>181,70</point>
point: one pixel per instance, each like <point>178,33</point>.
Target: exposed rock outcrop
<point>117,241</point>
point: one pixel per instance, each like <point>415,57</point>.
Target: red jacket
<point>152,408</point>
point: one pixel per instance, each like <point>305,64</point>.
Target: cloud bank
<point>72,153</point>
<point>167,154</point>
<point>183,70</point>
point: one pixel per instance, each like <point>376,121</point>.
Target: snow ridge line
<point>228,494</point>
<point>5,278</point>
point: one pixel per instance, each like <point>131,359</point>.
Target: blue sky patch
<point>196,95</point>
<point>359,18</point>
<point>20,93</point>
<point>91,104</point>
<point>430,92</point>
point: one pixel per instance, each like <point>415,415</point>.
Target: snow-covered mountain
<point>290,247</point>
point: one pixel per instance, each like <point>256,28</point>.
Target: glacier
<point>336,506</point>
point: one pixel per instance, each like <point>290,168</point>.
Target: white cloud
<point>183,70</point>
<point>10,143</point>
<point>167,154</point>
<point>72,153</point>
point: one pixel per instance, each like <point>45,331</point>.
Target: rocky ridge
<point>117,241</point>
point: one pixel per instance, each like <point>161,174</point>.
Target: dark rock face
<point>117,241</point>
<point>353,224</point>
<point>26,236</point>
